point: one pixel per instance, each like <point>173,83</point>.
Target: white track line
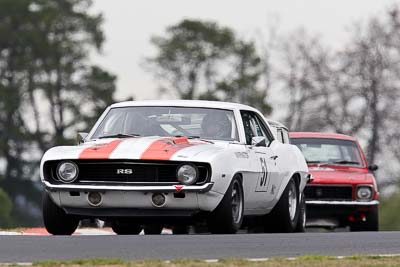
<point>211,261</point>
<point>89,231</point>
<point>79,231</point>
<point>17,263</point>
<point>258,259</point>
<point>9,233</point>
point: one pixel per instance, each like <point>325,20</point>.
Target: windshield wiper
<point>119,135</point>
<point>338,162</point>
<point>196,137</point>
<point>313,161</point>
<point>346,162</point>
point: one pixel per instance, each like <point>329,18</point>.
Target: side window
<point>286,136</point>
<point>114,125</point>
<point>254,127</point>
<point>280,136</point>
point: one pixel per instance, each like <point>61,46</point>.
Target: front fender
<point>224,166</point>
<point>293,164</point>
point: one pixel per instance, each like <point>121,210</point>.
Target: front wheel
<point>285,215</point>
<point>125,227</point>
<point>301,224</point>
<point>228,216</point>
<point>153,229</point>
<point>55,220</point>
<point>180,229</point>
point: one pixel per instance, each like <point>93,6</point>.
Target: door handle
<point>274,157</point>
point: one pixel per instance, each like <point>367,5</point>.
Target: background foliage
<point>201,60</point>
<point>48,90</point>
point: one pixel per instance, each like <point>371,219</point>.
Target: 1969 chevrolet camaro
<point>150,164</point>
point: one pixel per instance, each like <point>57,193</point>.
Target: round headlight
<point>364,193</point>
<point>67,171</point>
<point>187,174</point>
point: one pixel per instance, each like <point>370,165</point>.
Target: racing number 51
<point>263,180</point>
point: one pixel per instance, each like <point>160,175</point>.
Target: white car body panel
<point>278,163</point>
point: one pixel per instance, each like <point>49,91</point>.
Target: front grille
<point>135,172</point>
<point>313,192</point>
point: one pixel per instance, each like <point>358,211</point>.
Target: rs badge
<point>124,171</point>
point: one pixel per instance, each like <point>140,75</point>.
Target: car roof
<point>276,124</point>
<point>321,135</point>
<point>184,103</point>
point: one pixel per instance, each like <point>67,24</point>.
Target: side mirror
<point>310,178</point>
<point>373,167</point>
<point>80,138</point>
<point>258,141</point>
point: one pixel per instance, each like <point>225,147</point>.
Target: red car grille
<point>314,192</point>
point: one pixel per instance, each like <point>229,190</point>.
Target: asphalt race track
<point>39,248</point>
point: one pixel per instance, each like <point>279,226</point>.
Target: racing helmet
<point>216,125</point>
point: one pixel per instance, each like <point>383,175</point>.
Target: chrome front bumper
<point>159,188</point>
<point>116,197</point>
<point>342,203</point>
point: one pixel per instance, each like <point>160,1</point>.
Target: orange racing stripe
<point>164,149</point>
<point>101,151</point>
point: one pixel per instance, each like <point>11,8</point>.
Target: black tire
<point>200,229</point>
<point>301,224</point>
<point>228,216</point>
<point>55,220</point>
<point>280,220</point>
<point>153,229</point>
<point>125,227</point>
<point>180,229</point>
<point>371,223</point>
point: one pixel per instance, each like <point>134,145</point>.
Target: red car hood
<point>328,175</point>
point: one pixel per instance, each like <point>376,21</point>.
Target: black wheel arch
<point>239,174</point>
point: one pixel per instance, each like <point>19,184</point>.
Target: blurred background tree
<point>305,78</point>
<point>355,90</point>
<point>202,60</point>
<point>48,90</point>
<point>189,56</point>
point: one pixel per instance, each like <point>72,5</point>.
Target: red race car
<point>344,191</point>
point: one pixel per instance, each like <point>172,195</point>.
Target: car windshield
<point>329,151</point>
<point>204,123</point>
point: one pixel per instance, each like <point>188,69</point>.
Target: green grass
<point>302,261</point>
<point>88,262</point>
<point>389,217</point>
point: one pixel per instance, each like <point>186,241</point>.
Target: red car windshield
<point>329,151</point>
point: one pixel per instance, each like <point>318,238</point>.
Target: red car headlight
<point>364,193</point>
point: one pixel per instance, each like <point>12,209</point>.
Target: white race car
<point>151,164</point>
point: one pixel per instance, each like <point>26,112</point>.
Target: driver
<point>216,126</point>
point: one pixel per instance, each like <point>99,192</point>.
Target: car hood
<point>145,148</point>
<point>326,175</point>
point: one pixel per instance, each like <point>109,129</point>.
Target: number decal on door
<point>262,182</point>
